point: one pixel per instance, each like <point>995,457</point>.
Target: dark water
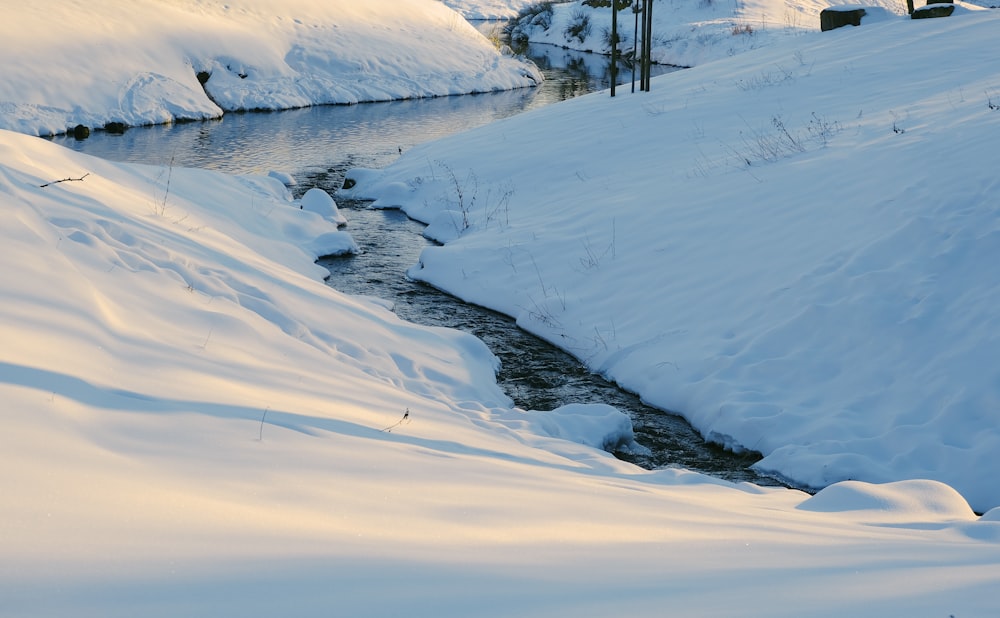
<point>535,374</point>
<point>318,145</point>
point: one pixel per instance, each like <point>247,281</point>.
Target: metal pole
<point>642,56</point>
<point>635,41</point>
<point>649,42</point>
<point>614,45</point>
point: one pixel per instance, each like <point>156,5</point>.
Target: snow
<point>140,65</point>
<point>319,201</point>
<point>693,32</point>
<point>793,248</point>
<point>489,9</point>
<point>195,424</point>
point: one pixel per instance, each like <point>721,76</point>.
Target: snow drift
<point>68,63</point>
<point>794,247</point>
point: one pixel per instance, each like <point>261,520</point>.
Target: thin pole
<point>642,56</point>
<point>635,41</point>
<point>614,45</point>
<point>649,43</point>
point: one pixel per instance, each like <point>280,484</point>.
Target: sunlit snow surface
<point>489,9</point>
<point>194,424</point>
<point>67,64</point>
<point>798,259</point>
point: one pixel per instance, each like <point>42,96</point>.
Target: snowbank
<point>489,9</point>
<point>194,424</point>
<point>689,32</point>
<point>793,248</point>
<point>69,63</point>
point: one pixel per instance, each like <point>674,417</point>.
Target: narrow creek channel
<point>534,373</point>
<point>318,145</point>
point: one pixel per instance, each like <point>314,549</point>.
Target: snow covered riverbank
<point>489,9</point>
<point>794,248</point>
<point>195,425</point>
<point>68,63</point>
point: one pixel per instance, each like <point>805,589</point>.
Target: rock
<point>81,132</point>
<point>203,77</point>
<point>835,17</point>
<point>115,128</point>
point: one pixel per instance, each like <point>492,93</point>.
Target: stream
<point>318,145</point>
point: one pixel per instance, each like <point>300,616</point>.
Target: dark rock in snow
<point>836,17</point>
<point>115,128</point>
<point>939,9</point>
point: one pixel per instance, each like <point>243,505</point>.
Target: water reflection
<point>315,141</point>
<point>299,141</point>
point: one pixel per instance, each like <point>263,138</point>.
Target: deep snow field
<point>795,247</point>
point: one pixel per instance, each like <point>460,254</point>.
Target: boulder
<point>115,128</point>
<point>835,17</point>
<point>939,9</point>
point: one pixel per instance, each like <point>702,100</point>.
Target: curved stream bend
<point>534,373</point>
<point>317,145</point>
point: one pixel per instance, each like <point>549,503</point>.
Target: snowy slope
<point>795,248</point>
<point>194,424</point>
<point>68,62</point>
<point>692,32</point>
<point>489,9</point>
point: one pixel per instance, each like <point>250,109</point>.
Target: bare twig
<point>405,419</point>
<point>260,433</point>
<point>64,180</point>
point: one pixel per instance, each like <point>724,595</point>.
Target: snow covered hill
<point>795,248</point>
<point>489,9</point>
<point>68,63</point>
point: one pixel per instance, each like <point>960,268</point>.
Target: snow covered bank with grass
<point>795,248</point>
<point>687,32</point>
<point>489,9</point>
<point>68,63</point>
<point>195,425</point>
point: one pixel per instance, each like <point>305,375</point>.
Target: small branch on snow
<point>64,180</point>
<point>260,433</point>
<point>405,419</point>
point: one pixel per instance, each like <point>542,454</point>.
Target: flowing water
<point>318,145</point>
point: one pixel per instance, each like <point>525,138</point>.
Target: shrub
<point>604,4</point>
<point>535,15</point>
<point>579,26</point>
